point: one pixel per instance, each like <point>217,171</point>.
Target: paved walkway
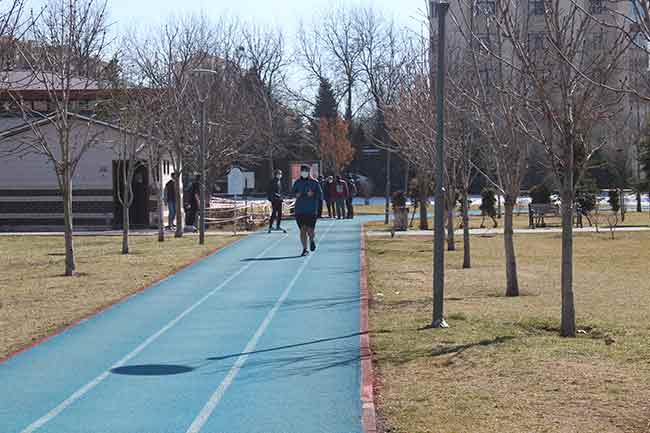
<point>499,231</point>
<point>251,340</point>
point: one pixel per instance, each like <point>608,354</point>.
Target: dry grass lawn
<point>501,367</point>
<point>632,219</point>
<point>36,300</point>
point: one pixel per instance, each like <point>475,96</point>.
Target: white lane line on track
<point>213,402</point>
<point>90,385</point>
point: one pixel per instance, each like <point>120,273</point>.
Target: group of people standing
<point>192,208</point>
<point>338,194</point>
<point>310,195</point>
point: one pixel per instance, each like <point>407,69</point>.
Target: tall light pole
<point>203,98</point>
<point>439,237</point>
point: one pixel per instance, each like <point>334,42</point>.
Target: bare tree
<point>567,60</point>
<point>72,38</point>
<point>266,62</point>
<point>164,57</point>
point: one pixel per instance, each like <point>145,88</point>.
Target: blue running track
<point>251,340</point>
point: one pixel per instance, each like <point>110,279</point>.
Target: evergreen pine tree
<point>326,106</point>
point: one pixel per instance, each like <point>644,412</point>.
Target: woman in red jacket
<point>338,193</point>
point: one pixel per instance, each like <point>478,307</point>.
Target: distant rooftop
<point>28,80</point>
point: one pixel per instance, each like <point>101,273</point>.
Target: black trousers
<point>350,208</point>
<point>276,214</point>
<point>331,209</point>
<point>190,218</point>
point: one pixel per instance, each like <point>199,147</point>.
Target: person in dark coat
<point>195,200</point>
<point>170,199</point>
<point>274,195</point>
<point>308,194</point>
<point>352,192</point>
<point>328,189</point>
<point>321,182</point>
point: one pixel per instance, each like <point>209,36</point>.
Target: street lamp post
<point>439,248</point>
<point>202,151</point>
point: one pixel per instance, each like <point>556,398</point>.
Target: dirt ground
<point>501,367</point>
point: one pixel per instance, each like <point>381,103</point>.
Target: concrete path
<point>253,339</point>
<point>499,231</point>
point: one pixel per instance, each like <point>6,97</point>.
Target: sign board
<point>295,169</point>
<point>239,180</point>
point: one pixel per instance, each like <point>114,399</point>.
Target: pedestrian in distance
<point>308,194</point>
<point>352,192</point>
<point>340,195</point>
<point>275,197</point>
<point>329,192</point>
<point>170,201</point>
<point>321,182</point>
<point>195,201</point>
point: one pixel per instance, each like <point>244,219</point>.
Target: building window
<point>536,7</point>
<point>536,41</point>
<point>482,42</point>
<point>597,7</point>
<point>484,74</point>
<point>597,41</point>
<point>40,106</point>
<point>485,7</point>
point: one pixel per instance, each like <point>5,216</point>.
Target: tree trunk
<point>407,170</point>
<point>424,218</point>
<point>271,166</point>
<point>161,213</point>
<point>451,245</point>
<point>348,105</point>
<point>70,266</point>
<point>568,326</point>
<point>622,200</point>
<point>125,228</point>
<point>512,282</point>
<point>467,257</point>
<point>179,207</point>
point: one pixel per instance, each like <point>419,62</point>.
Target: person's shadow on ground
<point>270,259</point>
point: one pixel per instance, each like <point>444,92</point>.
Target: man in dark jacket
<point>170,199</point>
<point>195,200</point>
<point>308,194</point>
<point>275,197</point>
<point>328,187</point>
<point>321,182</point>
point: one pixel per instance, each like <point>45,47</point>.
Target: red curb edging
<point>368,414</point>
<point>105,308</point>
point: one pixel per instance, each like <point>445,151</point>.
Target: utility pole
<point>203,177</point>
<point>203,95</point>
<point>387,210</point>
<point>439,238</point>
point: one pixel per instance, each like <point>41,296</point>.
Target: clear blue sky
<point>284,13</point>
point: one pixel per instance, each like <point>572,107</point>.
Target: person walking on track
<point>308,195</point>
<point>275,197</point>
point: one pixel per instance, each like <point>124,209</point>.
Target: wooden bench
<point>537,213</point>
